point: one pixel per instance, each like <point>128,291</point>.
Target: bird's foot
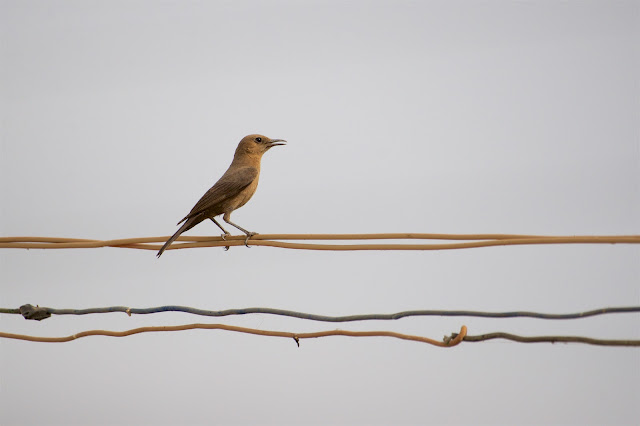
<point>249,235</point>
<point>224,238</point>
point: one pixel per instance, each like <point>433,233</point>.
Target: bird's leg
<point>227,218</point>
<point>220,226</point>
<point>223,230</point>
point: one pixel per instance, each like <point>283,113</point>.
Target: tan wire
<point>379,236</point>
<point>473,241</point>
<point>296,336</point>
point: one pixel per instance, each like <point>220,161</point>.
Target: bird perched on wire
<point>236,186</point>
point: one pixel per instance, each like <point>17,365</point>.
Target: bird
<point>232,191</point>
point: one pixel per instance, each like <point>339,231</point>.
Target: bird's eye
<point>258,139</point>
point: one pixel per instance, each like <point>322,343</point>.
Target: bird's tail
<point>187,225</point>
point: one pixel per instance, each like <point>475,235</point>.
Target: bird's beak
<point>276,142</point>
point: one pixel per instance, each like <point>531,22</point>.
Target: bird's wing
<point>229,185</point>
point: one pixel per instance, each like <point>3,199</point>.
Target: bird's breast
<point>245,195</point>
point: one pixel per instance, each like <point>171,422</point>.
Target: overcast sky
<point>401,116</point>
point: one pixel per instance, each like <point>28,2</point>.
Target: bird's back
<point>230,192</point>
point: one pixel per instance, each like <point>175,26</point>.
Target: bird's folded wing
<point>229,185</point>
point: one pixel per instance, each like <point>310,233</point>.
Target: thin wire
<point>474,241</point>
<point>449,342</point>
<point>550,339</point>
<point>378,236</point>
<point>41,312</point>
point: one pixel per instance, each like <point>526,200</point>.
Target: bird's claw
<point>249,235</point>
<point>224,238</point>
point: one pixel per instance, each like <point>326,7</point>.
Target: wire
<point>40,313</point>
<point>448,342</point>
<point>550,339</point>
<point>475,241</point>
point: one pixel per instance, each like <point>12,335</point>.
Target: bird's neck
<point>246,160</point>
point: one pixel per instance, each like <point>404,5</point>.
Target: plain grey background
<point>401,116</point>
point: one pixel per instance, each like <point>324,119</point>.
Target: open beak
<point>276,142</point>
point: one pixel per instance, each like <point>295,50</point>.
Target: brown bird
<point>236,186</point>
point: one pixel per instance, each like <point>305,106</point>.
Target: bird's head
<point>257,145</point>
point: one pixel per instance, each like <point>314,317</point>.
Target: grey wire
<point>39,313</point>
<point>549,339</point>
